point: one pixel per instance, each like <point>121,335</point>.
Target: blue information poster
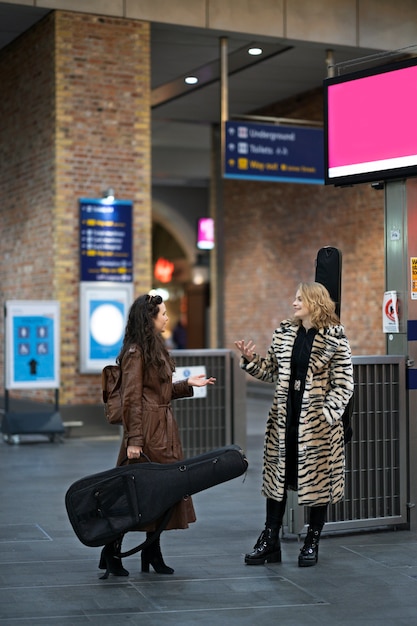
<point>106,240</point>
<point>32,344</point>
<point>104,308</point>
<point>274,153</point>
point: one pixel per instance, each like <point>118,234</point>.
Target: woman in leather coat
<point>149,428</point>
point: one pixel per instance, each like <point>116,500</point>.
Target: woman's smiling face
<point>301,310</point>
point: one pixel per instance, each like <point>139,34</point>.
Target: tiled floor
<point>48,577</point>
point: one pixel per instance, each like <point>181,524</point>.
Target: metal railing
<point>219,418</point>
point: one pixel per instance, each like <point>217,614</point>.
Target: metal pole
<point>224,98</point>
<point>330,63</point>
<point>219,218</point>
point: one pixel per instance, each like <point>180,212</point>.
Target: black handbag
<point>104,506</point>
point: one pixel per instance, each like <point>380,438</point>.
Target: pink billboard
<point>370,125</point>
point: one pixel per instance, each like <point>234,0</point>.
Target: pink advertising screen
<point>370,121</point>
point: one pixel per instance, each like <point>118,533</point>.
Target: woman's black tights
<point>318,516</point>
<point>275,513</point>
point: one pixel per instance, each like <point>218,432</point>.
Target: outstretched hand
<point>200,380</point>
<point>246,349</point>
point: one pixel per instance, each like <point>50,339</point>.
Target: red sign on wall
<point>163,270</point>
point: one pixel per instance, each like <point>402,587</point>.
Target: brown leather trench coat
<point>148,422</point>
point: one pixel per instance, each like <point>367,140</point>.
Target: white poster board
<point>32,353</point>
<point>104,308</point>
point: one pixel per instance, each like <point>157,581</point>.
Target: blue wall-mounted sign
<point>106,241</point>
<point>32,344</point>
<point>274,153</point>
<point>104,308</point>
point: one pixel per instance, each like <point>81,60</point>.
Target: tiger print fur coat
<point>328,387</point>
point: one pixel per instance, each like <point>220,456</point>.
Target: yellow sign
<point>413,268</point>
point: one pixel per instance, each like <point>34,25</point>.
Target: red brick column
<point>75,120</point>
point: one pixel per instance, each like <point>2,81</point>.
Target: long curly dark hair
<point>140,331</point>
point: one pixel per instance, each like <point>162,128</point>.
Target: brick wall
<point>75,119</point>
<point>27,171</point>
<point>273,232</point>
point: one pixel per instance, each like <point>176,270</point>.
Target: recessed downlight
<point>255,51</point>
<point>191,80</point>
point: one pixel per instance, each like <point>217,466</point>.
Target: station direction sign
<point>106,241</point>
<point>272,152</point>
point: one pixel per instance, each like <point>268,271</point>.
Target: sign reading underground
<point>275,153</point>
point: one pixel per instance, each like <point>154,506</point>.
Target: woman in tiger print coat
<point>309,361</point>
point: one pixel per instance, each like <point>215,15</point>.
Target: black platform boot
<point>309,553</point>
<point>152,555</point>
<point>267,548</point>
<point>110,560</point>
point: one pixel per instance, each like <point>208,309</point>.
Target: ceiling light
<point>255,51</point>
<point>191,80</point>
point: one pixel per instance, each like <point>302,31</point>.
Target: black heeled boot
<point>110,561</point>
<point>309,553</point>
<point>152,555</point>
<point>267,548</point>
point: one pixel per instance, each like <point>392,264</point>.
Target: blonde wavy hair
<point>321,306</point>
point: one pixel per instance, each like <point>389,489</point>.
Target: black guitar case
<point>102,507</point>
<point>329,274</point>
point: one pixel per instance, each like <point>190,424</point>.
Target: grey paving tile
<point>48,577</point>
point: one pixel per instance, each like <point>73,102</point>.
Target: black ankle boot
<point>152,555</point>
<point>309,553</point>
<point>110,561</point>
<point>267,548</point>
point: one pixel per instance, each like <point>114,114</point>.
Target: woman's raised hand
<point>246,349</point>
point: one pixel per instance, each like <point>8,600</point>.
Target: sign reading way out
<point>274,153</point>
